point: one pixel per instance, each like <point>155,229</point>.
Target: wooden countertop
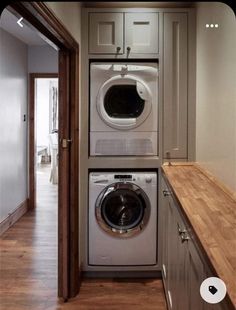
<point>211,211</point>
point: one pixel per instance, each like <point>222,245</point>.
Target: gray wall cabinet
<point>162,35</point>
<point>106,33</point>
<point>175,254</point>
<point>175,58</point>
<point>183,264</point>
<point>119,33</point>
<point>141,33</point>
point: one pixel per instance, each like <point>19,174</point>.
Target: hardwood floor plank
<point>28,268</point>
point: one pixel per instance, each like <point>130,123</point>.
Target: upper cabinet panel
<point>106,33</point>
<point>127,34</point>
<point>175,58</point>
<point>141,33</point>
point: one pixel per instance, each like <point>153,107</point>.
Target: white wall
<point>216,92</point>
<point>13,106</point>
<point>42,59</point>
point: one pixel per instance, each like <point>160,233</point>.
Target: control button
<point>213,290</point>
<point>148,179</point>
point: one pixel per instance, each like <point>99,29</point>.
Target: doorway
<point>43,136</point>
<point>45,157</point>
<point>46,102</point>
<point>43,20</point>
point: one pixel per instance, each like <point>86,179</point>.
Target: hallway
<point>28,267</point>
<point>28,263</point>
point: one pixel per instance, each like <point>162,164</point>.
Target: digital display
<point>123,176</point>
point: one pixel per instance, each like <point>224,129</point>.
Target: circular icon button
<point>213,290</point>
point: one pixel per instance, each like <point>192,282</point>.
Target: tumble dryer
<point>123,109</point>
<point>122,226</point>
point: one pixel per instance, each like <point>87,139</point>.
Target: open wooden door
<point>63,177</point>
<point>43,19</point>
<point>68,165</point>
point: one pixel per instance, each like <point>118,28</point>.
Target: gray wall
<point>16,61</point>
<point>216,92</point>
<point>69,13</point>
<point>13,105</point>
<point>42,59</point>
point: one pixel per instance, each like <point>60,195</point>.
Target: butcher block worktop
<point>211,211</point>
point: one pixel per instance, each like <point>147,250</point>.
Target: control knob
<point>148,179</point>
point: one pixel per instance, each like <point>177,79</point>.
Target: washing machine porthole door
<point>122,209</point>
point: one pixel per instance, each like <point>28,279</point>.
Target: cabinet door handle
<point>184,237</point>
<point>118,49</point>
<point>181,230</point>
<point>128,49</point>
<point>166,192</point>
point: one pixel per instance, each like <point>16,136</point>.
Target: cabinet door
<point>174,253</point>
<point>141,33</point>
<point>164,232</point>
<point>182,266</point>
<point>173,259</point>
<point>196,276</point>
<point>106,33</point>
<point>168,241</point>
<point>175,86</point>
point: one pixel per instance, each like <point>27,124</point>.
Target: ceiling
<point>8,22</point>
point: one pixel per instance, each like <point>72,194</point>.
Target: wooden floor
<point>28,268</point>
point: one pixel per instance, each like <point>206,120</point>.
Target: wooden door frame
<point>31,135</point>
<point>44,20</point>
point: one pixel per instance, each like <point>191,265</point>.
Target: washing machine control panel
<point>108,178</point>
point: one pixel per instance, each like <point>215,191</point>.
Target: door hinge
<point>65,143</point>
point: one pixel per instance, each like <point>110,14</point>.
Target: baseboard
<point>14,216</point>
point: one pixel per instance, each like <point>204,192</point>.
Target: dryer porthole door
<point>122,209</point>
<point>124,102</point>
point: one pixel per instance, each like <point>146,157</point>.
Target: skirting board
<point>14,216</point>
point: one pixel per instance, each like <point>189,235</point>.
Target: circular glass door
<point>122,209</point>
<point>124,102</point>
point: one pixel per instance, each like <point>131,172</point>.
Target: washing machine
<point>123,109</point>
<point>122,228</point>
